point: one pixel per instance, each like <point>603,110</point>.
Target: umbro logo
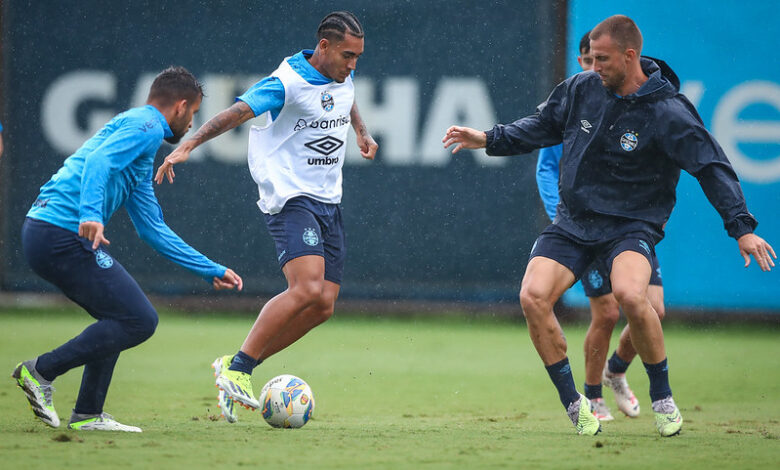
<point>326,145</point>
<point>585,126</point>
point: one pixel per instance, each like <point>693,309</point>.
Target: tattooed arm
<point>368,146</point>
<point>234,116</point>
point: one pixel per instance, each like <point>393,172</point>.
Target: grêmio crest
<point>326,100</point>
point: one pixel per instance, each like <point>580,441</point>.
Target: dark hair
<point>622,30</point>
<point>336,24</point>
<point>173,84</point>
<point>585,43</point>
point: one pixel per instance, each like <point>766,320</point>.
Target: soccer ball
<point>287,402</point>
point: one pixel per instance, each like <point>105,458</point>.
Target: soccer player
<point>626,133</point>
<point>605,310</point>
<point>296,161</point>
<point>63,240</point>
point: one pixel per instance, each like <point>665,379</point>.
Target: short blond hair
<point>622,30</point>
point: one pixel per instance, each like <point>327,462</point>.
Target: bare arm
<point>228,119</point>
<point>368,146</point>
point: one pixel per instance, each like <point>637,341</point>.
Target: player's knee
<point>660,310</point>
<point>322,313</point>
<point>307,292</point>
<point>148,324</point>
<point>533,301</point>
<point>605,312</point>
<point>629,298</point>
<point>143,324</point>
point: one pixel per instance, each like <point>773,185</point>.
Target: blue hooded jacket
<point>622,156</point>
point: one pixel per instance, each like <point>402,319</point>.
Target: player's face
<point>609,62</point>
<point>182,122</point>
<point>341,57</point>
<point>586,60</point>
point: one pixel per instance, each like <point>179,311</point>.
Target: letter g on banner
<point>731,131</point>
<point>61,102</point>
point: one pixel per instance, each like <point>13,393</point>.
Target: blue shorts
<point>308,227</point>
<point>596,281</point>
<point>578,256</point>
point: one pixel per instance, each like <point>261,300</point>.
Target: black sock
<point>592,391</point>
<point>560,374</point>
<point>659,380</point>
<point>243,363</point>
<point>617,365</point>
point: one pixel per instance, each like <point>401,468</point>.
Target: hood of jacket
<point>661,82</point>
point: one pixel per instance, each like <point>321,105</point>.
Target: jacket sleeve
<point>542,129</point>
<point>114,154</point>
<point>147,217</point>
<point>694,149</point>
<point>547,171</point>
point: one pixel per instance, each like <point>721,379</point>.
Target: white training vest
<point>302,151</point>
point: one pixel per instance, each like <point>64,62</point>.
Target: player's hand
<point>465,137</point>
<point>367,145</point>
<point>229,280</point>
<point>179,155</point>
<point>93,231</point>
<point>752,244</point>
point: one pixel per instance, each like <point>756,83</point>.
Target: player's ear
<point>323,44</point>
<point>181,107</point>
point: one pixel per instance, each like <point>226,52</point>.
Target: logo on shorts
<point>585,125</point>
<point>658,271</point>
<point>326,100</point>
<point>103,259</point>
<point>595,279</point>
<point>644,246</point>
<point>310,237</point>
<point>629,140</point>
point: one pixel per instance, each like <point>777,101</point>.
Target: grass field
<point>426,393</point>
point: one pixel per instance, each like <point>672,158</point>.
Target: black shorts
<point>308,227</point>
<point>595,279</point>
<point>578,256</point>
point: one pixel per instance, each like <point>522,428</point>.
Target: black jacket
<point>622,155</point>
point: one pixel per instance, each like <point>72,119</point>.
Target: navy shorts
<point>596,281</point>
<point>308,227</point>
<point>578,256</point>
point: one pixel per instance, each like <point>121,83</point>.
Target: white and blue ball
<point>287,402</point>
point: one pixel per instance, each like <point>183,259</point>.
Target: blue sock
<point>617,365</point>
<point>560,374</point>
<point>259,361</point>
<point>659,380</point>
<point>243,363</point>
<point>592,391</point>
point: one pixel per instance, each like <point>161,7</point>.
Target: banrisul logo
<point>629,141</point>
<point>326,100</point>
<point>310,237</point>
<point>103,259</point>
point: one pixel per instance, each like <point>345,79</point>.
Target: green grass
<point>425,393</point>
